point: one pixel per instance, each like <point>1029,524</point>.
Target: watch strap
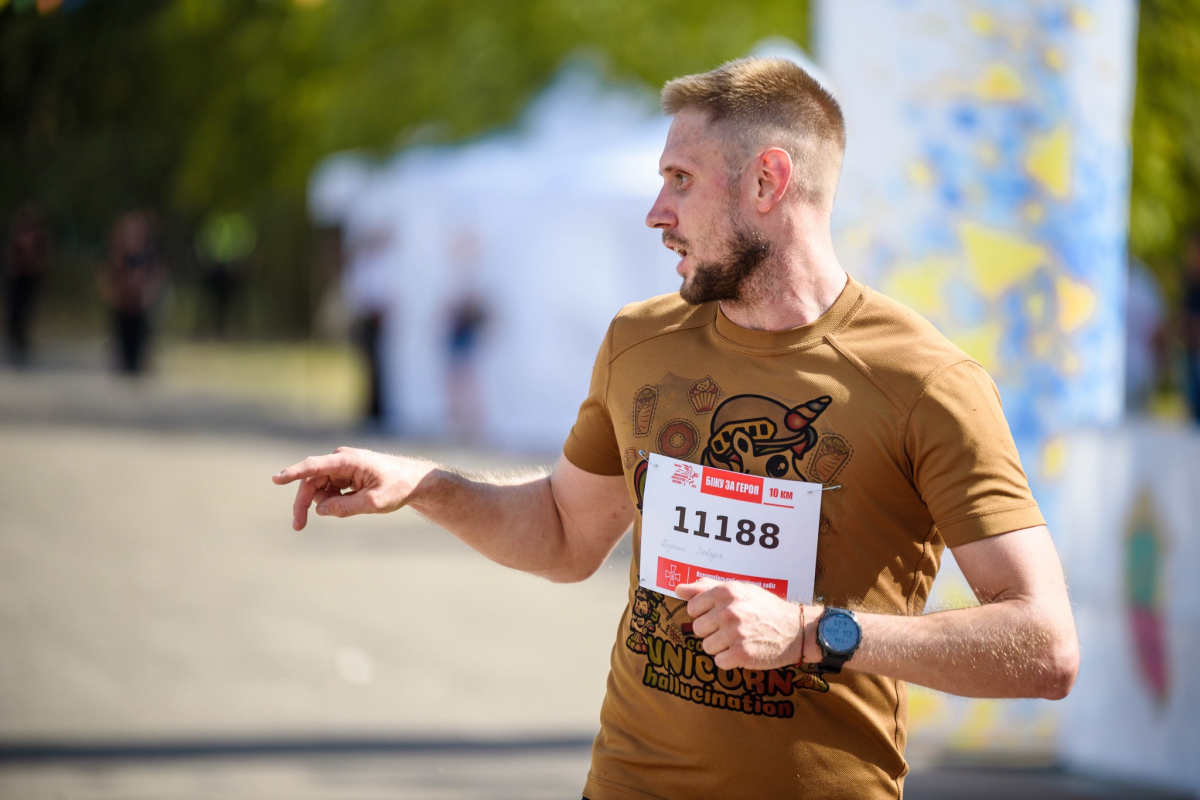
<point>831,664</point>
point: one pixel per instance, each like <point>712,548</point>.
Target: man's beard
<point>726,279</point>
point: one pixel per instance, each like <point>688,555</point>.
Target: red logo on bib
<point>672,573</point>
<point>735,485</point>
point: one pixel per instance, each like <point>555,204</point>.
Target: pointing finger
<point>311,467</point>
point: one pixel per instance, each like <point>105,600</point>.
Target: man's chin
<point>690,294</point>
<point>695,295</point>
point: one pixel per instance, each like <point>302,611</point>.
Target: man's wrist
<point>436,487</point>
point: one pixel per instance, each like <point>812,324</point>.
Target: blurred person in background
<point>1144,318</point>
<point>365,292</point>
<point>131,281</point>
<point>25,261</point>
<point>468,317</point>
<point>732,691</point>
<point>224,245</point>
<point>1191,321</point>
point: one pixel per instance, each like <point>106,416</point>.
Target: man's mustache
<point>671,240</point>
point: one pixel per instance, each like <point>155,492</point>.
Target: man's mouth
<point>679,248</point>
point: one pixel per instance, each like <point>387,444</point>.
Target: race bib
<point>700,522</point>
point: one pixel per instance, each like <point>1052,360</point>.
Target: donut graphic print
<point>678,438</point>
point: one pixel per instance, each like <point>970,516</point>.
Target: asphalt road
<point>167,635</point>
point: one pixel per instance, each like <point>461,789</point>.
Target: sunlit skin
<point>692,208</point>
<point>1020,642</point>
<point>802,279</point>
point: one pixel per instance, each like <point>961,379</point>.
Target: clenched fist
<point>353,481</point>
<point>744,625</point>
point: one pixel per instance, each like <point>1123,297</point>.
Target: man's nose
<point>661,215</point>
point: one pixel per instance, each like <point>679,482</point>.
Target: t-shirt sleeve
<point>964,461</point>
<point>592,445</point>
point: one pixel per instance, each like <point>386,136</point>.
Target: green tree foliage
<point>203,107</point>
<point>1165,195</point>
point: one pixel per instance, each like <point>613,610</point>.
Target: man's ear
<point>774,167</point>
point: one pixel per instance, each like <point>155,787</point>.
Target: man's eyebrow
<point>671,168</point>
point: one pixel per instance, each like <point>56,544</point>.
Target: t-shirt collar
<point>831,320</point>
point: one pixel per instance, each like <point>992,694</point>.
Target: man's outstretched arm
<point>560,526</point>
<point>1020,642</point>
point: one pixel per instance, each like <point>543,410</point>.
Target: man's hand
<point>561,526</point>
<point>352,481</point>
<point>743,625</point>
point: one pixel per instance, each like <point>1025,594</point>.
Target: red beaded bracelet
<point>800,661</point>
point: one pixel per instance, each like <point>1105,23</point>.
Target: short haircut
<point>764,102</point>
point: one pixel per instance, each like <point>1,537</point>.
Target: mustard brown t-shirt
<point>869,397</point>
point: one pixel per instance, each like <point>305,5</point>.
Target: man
<point>770,361</point>
<point>131,283</point>
<point>26,260</point>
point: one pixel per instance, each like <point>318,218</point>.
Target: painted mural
<point>985,186</point>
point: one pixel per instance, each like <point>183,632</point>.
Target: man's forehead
<point>691,143</point>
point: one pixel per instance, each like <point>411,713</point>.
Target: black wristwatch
<point>839,635</point>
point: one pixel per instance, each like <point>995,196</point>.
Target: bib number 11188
<point>701,522</point>
<point>768,533</point>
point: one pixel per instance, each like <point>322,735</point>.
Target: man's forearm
<point>1002,649</point>
<point>1020,642</point>
<point>561,526</point>
<point>514,524</point>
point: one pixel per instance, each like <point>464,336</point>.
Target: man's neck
<point>794,288</point>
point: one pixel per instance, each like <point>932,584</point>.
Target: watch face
<point>840,633</point>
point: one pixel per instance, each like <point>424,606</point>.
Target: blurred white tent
<point>544,222</point>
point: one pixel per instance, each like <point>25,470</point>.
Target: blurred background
<point>240,232</point>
